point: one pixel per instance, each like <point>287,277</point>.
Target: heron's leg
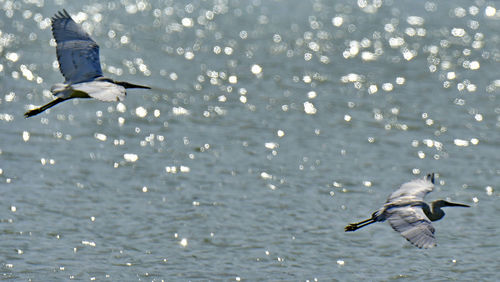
<point>36,111</point>
<point>357,225</point>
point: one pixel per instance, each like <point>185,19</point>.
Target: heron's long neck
<point>436,213</point>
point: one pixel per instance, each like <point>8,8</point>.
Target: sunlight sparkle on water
<point>233,79</point>
<point>474,65</point>
<point>141,112</point>
<point>461,142</point>
<point>180,111</point>
<point>400,80</point>
<point>10,97</point>
<point>266,175</point>
<point>13,57</point>
<point>187,22</point>
<point>124,40</point>
<point>309,108</point>
<point>174,169</point>
<point>414,20</point>
<point>337,21</point>
<point>100,136</point>
<point>26,72</point>
<point>189,55</point>
<point>256,69</point>
<point>368,56</point>
<point>421,154</point>
<point>489,190</point>
<point>45,161</point>
<point>26,136</point>
<point>183,242</point>
<point>490,11</point>
<point>271,145</point>
<point>130,157</point>
<point>387,87</point>
<point>458,32</point>
<point>88,243</point>
<point>372,89</point>
<point>121,107</point>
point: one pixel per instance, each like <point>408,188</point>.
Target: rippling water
<point>270,126</point>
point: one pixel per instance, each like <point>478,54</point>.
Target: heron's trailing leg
<point>355,226</point>
<point>36,111</point>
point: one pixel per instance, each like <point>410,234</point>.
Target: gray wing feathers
<point>77,53</point>
<point>412,224</point>
<point>414,190</point>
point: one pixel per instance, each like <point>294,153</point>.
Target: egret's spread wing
<point>411,223</point>
<point>77,53</point>
<point>101,90</point>
<point>414,190</point>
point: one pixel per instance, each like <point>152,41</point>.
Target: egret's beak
<point>448,204</point>
<point>130,85</point>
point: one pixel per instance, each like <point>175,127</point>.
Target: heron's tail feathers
<point>68,91</point>
<point>58,88</point>
<point>65,91</point>
<point>36,111</point>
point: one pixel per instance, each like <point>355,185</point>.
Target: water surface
<point>270,126</point>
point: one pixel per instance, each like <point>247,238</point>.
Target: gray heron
<point>408,214</point>
<point>78,57</point>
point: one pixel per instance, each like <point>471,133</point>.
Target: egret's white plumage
<point>414,190</point>
<point>100,90</point>
<point>78,57</point>
<point>407,213</point>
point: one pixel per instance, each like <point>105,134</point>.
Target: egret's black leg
<point>357,225</point>
<point>36,111</point>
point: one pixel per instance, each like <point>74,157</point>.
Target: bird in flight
<point>408,214</point>
<point>79,63</point>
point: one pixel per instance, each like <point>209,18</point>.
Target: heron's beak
<point>130,85</point>
<point>448,204</point>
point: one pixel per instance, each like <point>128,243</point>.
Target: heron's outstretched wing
<point>77,53</point>
<point>414,190</point>
<point>411,223</point>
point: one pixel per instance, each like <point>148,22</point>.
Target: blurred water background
<point>270,126</point>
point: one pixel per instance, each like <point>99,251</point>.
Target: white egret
<point>79,63</point>
<point>408,214</point>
